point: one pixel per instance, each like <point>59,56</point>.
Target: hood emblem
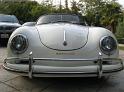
<point>65,42</point>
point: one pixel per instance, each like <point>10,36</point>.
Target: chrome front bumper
<point>32,70</point>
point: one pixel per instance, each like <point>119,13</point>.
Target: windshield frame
<point>59,21</point>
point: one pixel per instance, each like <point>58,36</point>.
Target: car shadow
<point>91,84</point>
<point>3,44</point>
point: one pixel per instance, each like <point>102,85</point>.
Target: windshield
<point>8,18</point>
<point>58,18</point>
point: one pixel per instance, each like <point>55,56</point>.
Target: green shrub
<point>120,30</point>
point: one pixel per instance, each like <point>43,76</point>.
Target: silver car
<point>59,46</point>
<point>8,23</point>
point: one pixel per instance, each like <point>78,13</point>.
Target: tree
<point>101,12</point>
<point>66,5</point>
<point>111,14</point>
<point>120,30</point>
<point>74,7</point>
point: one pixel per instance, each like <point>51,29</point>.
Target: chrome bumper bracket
<point>30,73</point>
<point>100,66</point>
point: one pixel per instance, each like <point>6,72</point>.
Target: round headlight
<point>108,45</point>
<point>19,44</point>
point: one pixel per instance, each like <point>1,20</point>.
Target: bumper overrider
<point>33,70</point>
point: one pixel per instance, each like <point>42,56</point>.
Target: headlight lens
<point>19,44</point>
<point>108,45</point>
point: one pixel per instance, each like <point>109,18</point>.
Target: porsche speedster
<point>59,46</point>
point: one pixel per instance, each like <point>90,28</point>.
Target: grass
<point>121,47</point>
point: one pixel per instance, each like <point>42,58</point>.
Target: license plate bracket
<point>4,35</point>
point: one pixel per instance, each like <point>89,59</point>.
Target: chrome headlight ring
<point>19,44</point>
<point>108,45</point>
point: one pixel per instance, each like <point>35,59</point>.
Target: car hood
<point>10,24</point>
<point>63,36</point>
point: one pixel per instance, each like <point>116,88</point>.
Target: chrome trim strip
<point>64,36</point>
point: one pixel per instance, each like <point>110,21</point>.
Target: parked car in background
<point>59,46</point>
<point>8,23</point>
